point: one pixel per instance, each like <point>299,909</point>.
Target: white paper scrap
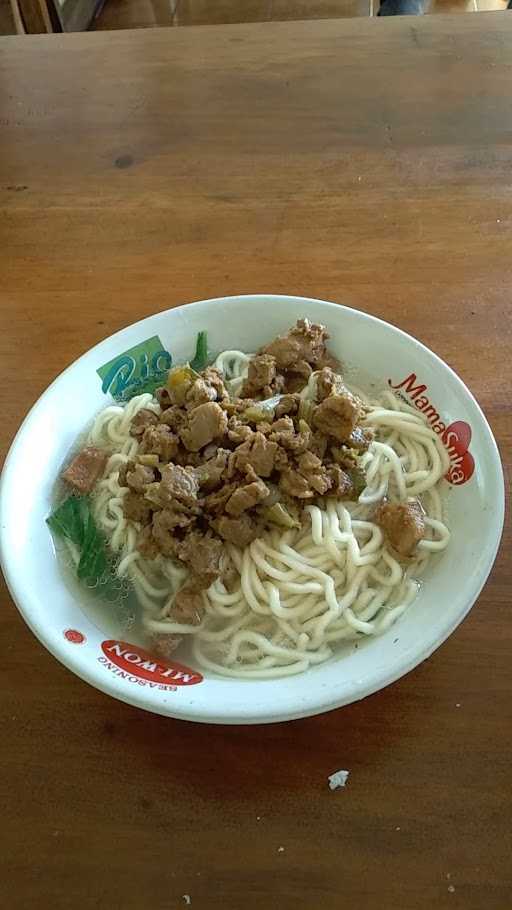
<point>338,779</point>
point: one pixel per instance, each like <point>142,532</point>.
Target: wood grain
<point>366,162</point>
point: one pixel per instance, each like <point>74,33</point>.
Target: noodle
<point>299,593</point>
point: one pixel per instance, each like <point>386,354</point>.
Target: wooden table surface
<point>366,162</point>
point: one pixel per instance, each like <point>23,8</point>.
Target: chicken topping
<point>403,524</point>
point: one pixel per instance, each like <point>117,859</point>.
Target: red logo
<point>74,636</point>
<point>136,661</point>
<point>455,437</point>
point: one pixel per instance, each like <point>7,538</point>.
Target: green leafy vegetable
<point>68,519</point>
<point>262,410</point>
<point>358,478</point>
<point>279,515</point>
<point>200,360</point>
<point>306,410</point>
<point>73,520</point>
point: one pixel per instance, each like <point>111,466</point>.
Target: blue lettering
<point>119,375</point>
<point>161,362</point>
<point>144,370</point>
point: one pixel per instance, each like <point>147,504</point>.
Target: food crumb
<point>457,704</point>
<point>280,849</point>
<point>338,779</point>
<point>258,818</point>
<point>187,899</point>
<point>397,828</point>
<point>451,888</point>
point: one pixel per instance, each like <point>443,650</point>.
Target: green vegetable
<point>69,519</point>
<point>200,360</point>
<point>256,414</point>
<point>278,515</point>
<point>262,410</point>
<point>358,479</point>
<point>73,520</point>
<point>306,410</point>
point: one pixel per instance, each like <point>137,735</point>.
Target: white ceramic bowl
<point>475,506</point>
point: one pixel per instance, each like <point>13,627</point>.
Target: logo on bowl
<point>74,636</point>
<point>137,665</point>
<point>455,436</point>
<point>141,369</point>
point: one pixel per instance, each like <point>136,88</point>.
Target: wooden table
<point>367,162</point>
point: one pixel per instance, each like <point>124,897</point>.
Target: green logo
<point>141,369</point>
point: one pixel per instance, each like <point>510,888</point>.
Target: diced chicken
<point>311,467</point>
<point>137,477</point>
<point>85,469</point>
<point>178,483</point>
<point>306,341</point>
<point>288,404</point>
<point>215,502</point>
<point>337,415</point>
<point>239,531</point>
<point>123,471</point>
<point>143,418</point>
<point>295,484</point>
<point>246,497</point>
<point>238,432</point>
<point>187,607</point>
<point>210,473</point>
<point>164,524</point>
<point>146,543</point>
<point>165,645</point>
<point>285,435</point>
<point>206,423</point>
<point>214,378</point>
<point>403,524</point>
<point>163,397</point>
<point>261,375</point>
<point>328,383</point>
<point>200,392</point>
<point>173,417</point>
<point>295,382</point>
<point>341,483</point>
<point>318,445</point>
<point>284,426</point>
<point>136,508</point>
<point>202,554</point>
<point>258,452</point>
<point>161,441</point>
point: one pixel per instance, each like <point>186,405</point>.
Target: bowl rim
<point>258,714</point>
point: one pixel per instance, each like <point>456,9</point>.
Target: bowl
<point>103,656</point>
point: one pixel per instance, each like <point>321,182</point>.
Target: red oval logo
<point>141,663</point>
<point>74,636</point>
<point>456,438</point>
<point>461,470</point>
